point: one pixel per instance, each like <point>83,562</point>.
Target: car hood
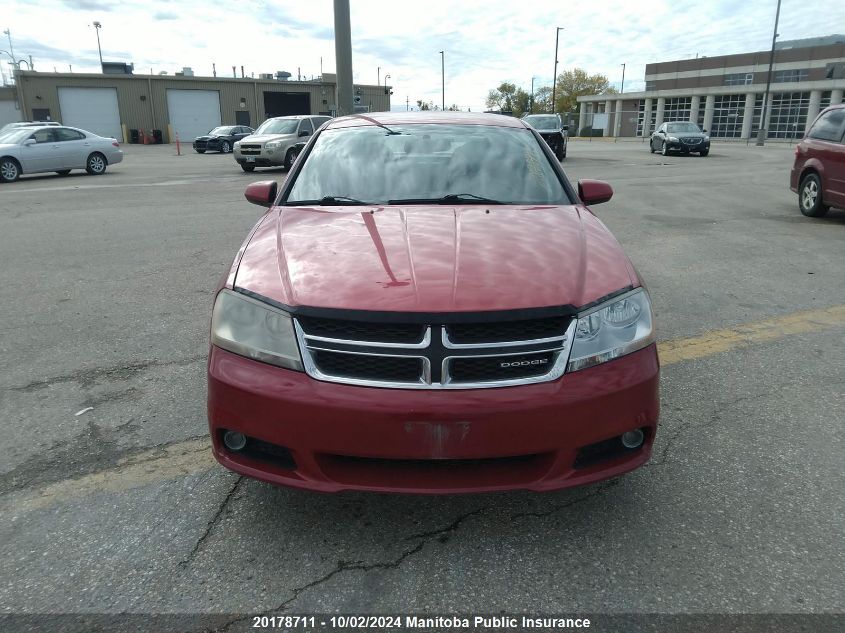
<point>687,134</point>
<point>433,259</point>
<point>208,137</point>
<point>263,138</point>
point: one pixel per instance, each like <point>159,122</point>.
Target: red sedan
<point>429,306</point>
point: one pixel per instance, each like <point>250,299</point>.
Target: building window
<point>649,86</point>
<point>641,114</point>
<point>728,111</point>
<point>788,114</point>
<point>677,109</point>
<point>825,100</point>
<point>739,79</point>
<point>789,76</point>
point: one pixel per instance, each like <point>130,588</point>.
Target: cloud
<point>89,5</point>
<point>165,15</point>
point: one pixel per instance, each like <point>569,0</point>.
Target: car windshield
<point>539,122</point>
<point>278,126</point>
<point>427,164</point>
<point>221,131</point>
<point>684,127</point>
<point>15,135</point>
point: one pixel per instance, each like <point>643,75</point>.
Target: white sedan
<point>55,148</point>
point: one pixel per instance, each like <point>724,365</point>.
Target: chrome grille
<point>436,356</point>
<point>250,150</point>
<point>691,141</point>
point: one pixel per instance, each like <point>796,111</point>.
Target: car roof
<point>426,116</point>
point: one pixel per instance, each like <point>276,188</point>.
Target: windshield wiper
<point>326,201</point>
<point>452,198</point>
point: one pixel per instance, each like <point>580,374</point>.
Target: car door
<point>43,154</point>
<point>306,128</point>
<point>74,148</point>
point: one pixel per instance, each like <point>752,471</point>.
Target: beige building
<point>724,94</point>
<point>114,105</point>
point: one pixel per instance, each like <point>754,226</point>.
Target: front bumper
<point>680,146</point>
<point>343,437</point>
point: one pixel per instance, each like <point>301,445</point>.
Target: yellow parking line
<point>194,456</point>
<point>718,341</point>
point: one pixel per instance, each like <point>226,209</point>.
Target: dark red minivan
<point>818,175</point>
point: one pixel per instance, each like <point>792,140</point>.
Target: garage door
<point>9,112</point>
<point>92,109</point>
<point>193,112</point>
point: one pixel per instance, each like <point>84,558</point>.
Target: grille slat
<point>369,367</point>
<point>437,356</point>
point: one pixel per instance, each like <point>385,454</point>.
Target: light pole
<point>622,87</point>
<point>11,48</point>
<point>443,80</point>
<point>378,76</point>
<point>554,78</point>
<point>531,101</point>
<point>97,27</point>
<point>761,131</point>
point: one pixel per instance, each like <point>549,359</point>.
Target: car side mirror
<point>594,191</point>
<point>262,193</point>
<point>29,141</point>
<point>704,131</point>
<point>303,132</point>
<point>566,127</point>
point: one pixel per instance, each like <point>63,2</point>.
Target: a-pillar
<point>748,115</point>
<point>709,104</point>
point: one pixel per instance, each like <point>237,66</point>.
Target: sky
<point>484,42</point>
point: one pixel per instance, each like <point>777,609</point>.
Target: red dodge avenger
<point>429,306</point>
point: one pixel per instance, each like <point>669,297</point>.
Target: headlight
<point>706,138</point>
<point>613,329</point>
<point>236,144</point>
<point>245,326</point>
<point>272,145</point>
<point>673,139</point>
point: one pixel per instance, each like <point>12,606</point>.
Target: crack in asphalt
<point>562,506</point>
<point>212,523</point>
<point>424,539</point>
<point>90,377</point>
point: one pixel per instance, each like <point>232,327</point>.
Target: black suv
<point>679,136</point>
<point>552,129</point>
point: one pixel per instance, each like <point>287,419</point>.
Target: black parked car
<point>221,139</point>
<point>552,129</point>
<point>679,136</point>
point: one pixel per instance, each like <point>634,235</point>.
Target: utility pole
<point>407,104</point>
<point>622,88</point>
<point>554,79</point>
<point>761,131</point>
<point>97,27</point>
<point>443,80</point>
<point>378,76</point>
<point>343,56</point>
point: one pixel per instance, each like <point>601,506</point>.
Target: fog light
<point>234,441</point>
<point>633,439</point>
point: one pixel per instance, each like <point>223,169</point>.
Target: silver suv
<point>272,143</point>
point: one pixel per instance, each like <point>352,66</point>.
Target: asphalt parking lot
<point>107,291</point>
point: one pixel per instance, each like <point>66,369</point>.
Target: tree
<point>508,98</point>
<point>575,83</point>
<point>426,105</point>
<point>542,100</point>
